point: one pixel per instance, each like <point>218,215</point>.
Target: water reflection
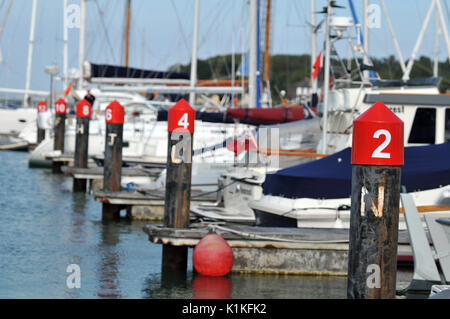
<point>108,268</point>
<point>204,287</point>
<point>175,287</point>
<point>77,217</point>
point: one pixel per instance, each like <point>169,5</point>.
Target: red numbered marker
<point>61,106</point>
<point>181,117</point>
<point>42,107</point>
<point>115,113</point>
<point>84,109</point>
<point>378,137</point>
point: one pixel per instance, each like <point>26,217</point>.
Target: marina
<point>135,183</point>
<point>110,254</point>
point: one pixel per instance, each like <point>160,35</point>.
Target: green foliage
<point>286,70</point>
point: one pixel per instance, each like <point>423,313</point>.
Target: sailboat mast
<point>30,53</point>
<point>253,53</point>
<point>127,32</point>
<point>366,38</point>
<point>267,46</point>
<point>327,80</point>
<point>66,45</point>
<point>82,42</point>
<point>193,79</point>
<point>258,56</point>
<point>313,46</point>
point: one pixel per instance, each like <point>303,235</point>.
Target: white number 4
<point>378,153</point>
<point>184,121</point>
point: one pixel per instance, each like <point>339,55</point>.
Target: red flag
<point>66,93</point>
<point>241,144</point>
<point>317,65</point>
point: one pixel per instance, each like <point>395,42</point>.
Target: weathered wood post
<point>377,157</point>
<point>178,181</point>
<point>84,112</point>
<point>115,115</point>
<point>60,131</point>
<point>42,109</point>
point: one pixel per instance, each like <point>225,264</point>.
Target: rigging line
<point>446,9</point>
<point>179,25</point>
<point>102,21</point>
<point>5,17</point>
<point>212,28</point>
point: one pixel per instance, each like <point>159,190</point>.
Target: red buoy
<point>212,256</point>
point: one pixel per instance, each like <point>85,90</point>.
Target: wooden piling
<point>372,266</point>
<point>41,109</point>
<point>178,181</point>
<point>84,112</point>
<point>113,156</point>
<point>377,156</point>
<point>60,131</point>
<point>40,135</point>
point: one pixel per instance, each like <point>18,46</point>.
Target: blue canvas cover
<point>425,167</point>
<point>212,117</point>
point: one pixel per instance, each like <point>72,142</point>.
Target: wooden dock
<point>277,250</point>
<point>130,161</point>
<point>97,172</point>
<point>144,204</point>
<point>67,159</point>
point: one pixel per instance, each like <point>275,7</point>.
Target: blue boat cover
<point>426,167</point>
<point>212,117</point>
<point>115,71</point>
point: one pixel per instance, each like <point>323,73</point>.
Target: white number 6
<point>108,115</point>
<point>378,151</point>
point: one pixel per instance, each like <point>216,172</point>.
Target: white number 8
<point>85,109</point>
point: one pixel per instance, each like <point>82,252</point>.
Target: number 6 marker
<point>377,137</point>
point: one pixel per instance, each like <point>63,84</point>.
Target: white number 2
<point>184,121</point>
<point>378,153</point>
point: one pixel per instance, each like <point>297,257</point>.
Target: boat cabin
<point>426,117</point>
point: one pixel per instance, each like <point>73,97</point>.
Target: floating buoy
<point>212,256</point>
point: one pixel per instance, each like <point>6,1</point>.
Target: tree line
<point>286,70</point>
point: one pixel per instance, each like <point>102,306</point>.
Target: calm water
<point>45,227</point>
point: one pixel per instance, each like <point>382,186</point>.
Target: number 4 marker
<point>184,121</point>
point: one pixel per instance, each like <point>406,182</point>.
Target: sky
<point>162,30</point>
